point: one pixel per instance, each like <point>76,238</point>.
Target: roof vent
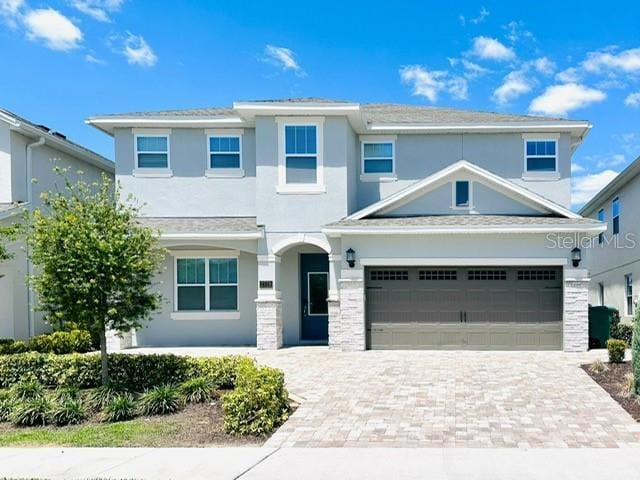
<point>58,134</point>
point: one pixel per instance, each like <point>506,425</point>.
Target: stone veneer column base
<point>576,315</point>
<point>120,341</point>
<point>334,323</point>
<point>351,331</point>
<point>269,324</point>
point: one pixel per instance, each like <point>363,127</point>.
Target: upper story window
<point>615,215</point>
<point>152,152</point>
<point>462,194</point>
<point>541,155</point>
<point>224,153</point>
<point>601,218</point>
<point>300,151</point>
<point>378,158</point>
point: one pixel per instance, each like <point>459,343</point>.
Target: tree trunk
<point>104,357</point>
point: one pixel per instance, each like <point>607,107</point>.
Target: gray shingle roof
<point>463,221</point>
<point>201,224</point>
<point>372,113</point>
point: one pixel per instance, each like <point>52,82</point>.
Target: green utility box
<point>600,319</point>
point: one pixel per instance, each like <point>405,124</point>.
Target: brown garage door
<point>476,308</point>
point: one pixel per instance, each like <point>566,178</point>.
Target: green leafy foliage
<point>74,341</point>
<point>618,330</point>
<point>27,389</point>
<point>9,346</point>
<point>258,404</point>
<point>67,392</point>
<point>222,371</point>
<point>616,350</point>
<point>104,395</point>
<point>6,405</point>
<point>94,261</point>
<point>68,412</point>
<point>7,233</point>
<point>32,413</point>
<point>161,400</point>
<point>635,349</point>
<point>198,390</point>
<point>121,408</point>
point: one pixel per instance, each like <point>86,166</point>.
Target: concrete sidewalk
<point>323,463</point>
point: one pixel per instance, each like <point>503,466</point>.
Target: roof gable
<point>472,172</point>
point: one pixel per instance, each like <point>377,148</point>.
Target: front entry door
<point>314,280</point>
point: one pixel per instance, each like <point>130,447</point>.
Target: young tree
<point>7,233</point>
<point>94,262</point>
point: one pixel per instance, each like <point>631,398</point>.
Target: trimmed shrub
<point>616,350</point>
<point>51,370</point>
<point>222,371</point>
<point>68,412</point>
<point>6,405</point>
<point>119,409</point>
<point>74,341</point>
<point>635,349</point>
<point>624,332</point>
<point>161,400</point>
<point>28,389</point>
<point>9,346</point>
<point>32,413</point>
<point>258,404</point>
<point>198,390</point>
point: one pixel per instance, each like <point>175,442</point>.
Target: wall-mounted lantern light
<point>351,257</point>
<point>576,256</point>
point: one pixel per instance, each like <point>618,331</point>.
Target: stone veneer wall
<point>334,323</point>
<point>576,315</point>
<point>351,331</point>
<point>117,342</point>
<point>269,324</point>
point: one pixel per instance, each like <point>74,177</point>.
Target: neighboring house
<point>28,155</point>
<point>614,257</point>
<point>311,221</point>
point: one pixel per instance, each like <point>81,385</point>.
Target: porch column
<point>269,328</point>
<point>576,310</point>
<point>333,301</point>
<point>352,331</point>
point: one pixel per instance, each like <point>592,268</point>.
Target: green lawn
<point>138,432</point>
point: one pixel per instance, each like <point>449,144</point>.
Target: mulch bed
<point>614,382</point>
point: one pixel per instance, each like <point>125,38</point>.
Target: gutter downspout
<point>29,186</point>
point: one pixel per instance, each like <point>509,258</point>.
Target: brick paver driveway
<point>443,399</point>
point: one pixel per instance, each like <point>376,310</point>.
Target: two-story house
<point>28,155</point>
<point>311,221</point>
<point>614,257</point>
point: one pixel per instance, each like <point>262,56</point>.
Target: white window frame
<point>383,176</point>
<point>300,188</point>
<point>152,172</point>
<point>205,314</point>
<point>223,172</point>
<point>613,216</point>
<point>309,314</point>
<point>454,202</point>
<point>533,174</point>
<point>628,299</point>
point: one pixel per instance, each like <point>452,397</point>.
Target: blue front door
<point>314,281</point>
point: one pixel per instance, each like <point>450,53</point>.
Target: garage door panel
<point>506,309</point>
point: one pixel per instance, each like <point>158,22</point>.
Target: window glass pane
<point>551,148</point>
<point>378,150</point>
<point>616,207</point>
<point>223,270</point>
<point>301,170</point>
<point>300,139</point>
<point>153,160</point>
<point>601,215</point>
<point>234,144</point>
<point>318,293</point>
<point>290,138</point>
<point>616,225</point>
<point>224,298</point>
<point>152,144</point>
<point>531,148</point>
<point>541,164</point>
<point>190,270</point>
<point>462,194</point>
<point>224,160</point>
<point>191,298</point>
<point>378,166</point>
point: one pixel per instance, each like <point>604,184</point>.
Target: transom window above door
<point>300,165</point>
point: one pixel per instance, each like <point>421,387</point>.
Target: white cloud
<point>569,75</point>
<point>484,13</point>
<point>516,31</point>
<point>515,83</point>
<point>54,29</point>
<point>586,186</point>
<point>138,51</point>
<point>10,11</point>
<point>470,69</point>
<point>430,83</point>
<point>576,168</point>
<point>91,58</point>
<point>633,100</point>
<point>282,57</point>
<point>614,160</point>
<point>562,99</point>
<point>491,49</point>
<point>97,9</point>
<point>543,65</point>
<point>627,61</point>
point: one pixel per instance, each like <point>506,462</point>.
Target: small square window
<point>224,152</point>
<point>206,284</point>
<point>377,157</point>
<point>152,151</point>
<point>540,155</point>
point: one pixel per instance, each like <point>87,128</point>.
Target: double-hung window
<point>206,284</point>
<point>377,157</point>
<point>224,153</point>
<point>300,155</point>
<point>152,152</point>
<point>628,281</point>
<point>615,215</point>
<point>601,218</point>
<point>541,156</point>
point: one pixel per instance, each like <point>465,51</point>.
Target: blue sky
<point>69,59</point>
